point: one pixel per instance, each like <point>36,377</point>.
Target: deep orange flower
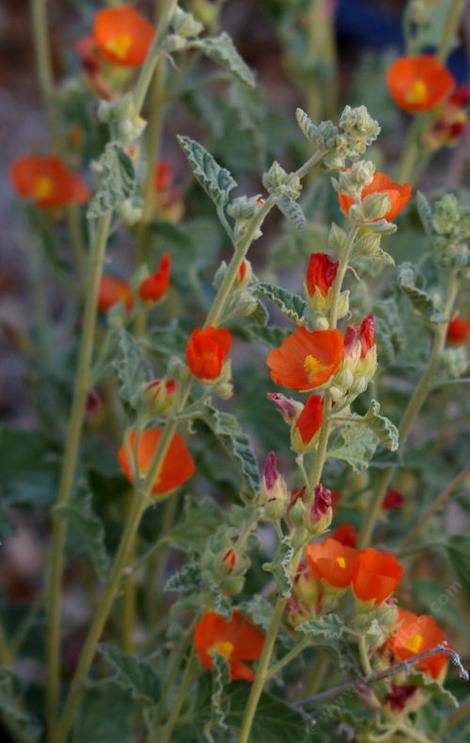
<point>398,194</point>
<point>346,534</point>
<point>419,83</point>
<point>155,286</point>
<point>207,350</point>
<point>376,576</point>
<point>113,290</point>
<point>415,634</point>
<point>306,359</point>
<point>177,467</point>
<point>320,274</point>
<point>458,331</point>
<point>123,35</point>
<point>48,182</point>
<point>237,640</point>
<point>332,562</point>
<point>309,422</point>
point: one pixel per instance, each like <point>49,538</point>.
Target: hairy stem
<point>450,29</point>
<point>74,430</point>
<point>179,701</point>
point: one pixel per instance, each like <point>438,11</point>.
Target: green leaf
<point>105,715</point>
<point>389,330</point>
<point>290,209</point>
<point>216,181</point>
<point>132,368</point>
<point>327,628</point>
<point>222,51</point>
<point>86,533</point>
<point>20,723</point>
<point>228,431</point>
<point>368,246</point>
<point>458,549</point>
<point>357,447</point>
<point>271,335</point>
<point>291,305</point>
<point>185,580</point>
<point>199,519</point>
<point>429,685</point>
<point>261,315</point>
<point>421,300</point>
<point>117,181</point>
<point>383,427</point>
<point>306,125</point>
<point>425,213</point>
<point>280,566</point>
<point>28,468</point>
<point>275,721</point>
<point>132,674</point>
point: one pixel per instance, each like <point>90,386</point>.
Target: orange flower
<point>415,634</point>
<point>114,290</point>
<point>320,275</point>
<point>419,83</point>
<point>237,640</point>
<point>458,331</point>
<point>163,178</point>
<point>48,182</point>
<point>177,467</point>
<point>306,359</point>
<point>154,287</point>
<point>376,576</point>
<point>207,350</point>
<point>398,194</point>
<point>308,424</point>
<point>346,534</point>
<point>332,562</point>
<point>123,35</point>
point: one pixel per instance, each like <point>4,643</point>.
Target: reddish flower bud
<point>367,335</point>
<point>458,331</point>
<point>319,278</point>
<point>308,424</point>
<point>289,409</point>
<point>392,500</point>
<point>245,272</point>
<point>159,395</point>
<point>320,514</point>
<point>112,291</point>
<point>398,696</point>
<point>206,352</point>
<point>155,286</point>
<point>346,534</point>
<point>163,178</point>
<point>274,494</point>
<point>229,560</point>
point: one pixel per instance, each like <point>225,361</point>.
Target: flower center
<point>43,188</point>
<point>341,562</point>
<point>418,92</point>
<point>312,366</point>
<point>414,643</point>
<point>119,46</point>
<point>224,648</point>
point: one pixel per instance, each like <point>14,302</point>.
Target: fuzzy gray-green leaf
<point>117,181</point>
<point>216,181</point>
<point>290,209</point>
<point>132,674</point>
<point>20,723</point>
<point>381,426</point>
<point>291,305</point>
<point>421,300</point>
<point>132,368</point>
<point>356,447</point>
<point>221,50</point>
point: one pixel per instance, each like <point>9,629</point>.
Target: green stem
<point>436,506</point>
<point>450,30</point>
<point>341,273</point>
<point>147,71</point>
<point>156,565</point>
<point>5,652</point>
<point>290,656</point>
<point>411,152</point>
<point>413,734</point>
<point>315,681</point>
<point>364,656</point>
<point>77,415</point>
<point>172,670</point>
<point>179,701</point>
<point>129,601</point>
<point>412,411</point>
<point>45,74</point>
<point>262,672</point>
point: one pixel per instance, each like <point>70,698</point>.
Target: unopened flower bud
<point>273,487</point>
<point>229,560</point>
<point>289,409</point>
<point>297,513</point>
<point>297,611</point>
<point>159,396</point>
<point>244,275</point>
<point>307,427</point>
<point>306,586</point>
<point>375,206</point>
<point>320,514</point>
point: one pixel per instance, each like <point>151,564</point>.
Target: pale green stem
<point>179,701</point>
<point>172,669</point>
<point>43,61</point>
<point>450,29</point>
<point>413,734</point>
<point>5,652</point>
<point>82,385</point>
<point>146,74</point>
<point>364,656</point>
<point>290,656</point>
<point>412,411</point>
<point>320,668</point>
<point>341,273</point>
<point>436,506</point>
